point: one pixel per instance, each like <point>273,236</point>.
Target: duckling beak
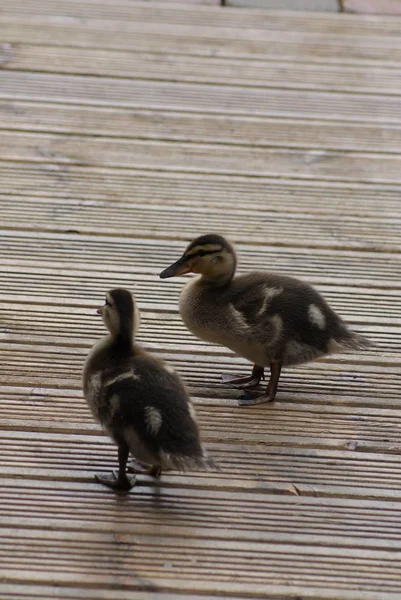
<point>180,267</point>
<point>99,310</point>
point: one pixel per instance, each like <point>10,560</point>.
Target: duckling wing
<point>251,302</point>
<point>288,316</point>
<point>153,412</point>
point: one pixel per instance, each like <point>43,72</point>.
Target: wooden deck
<point>128,128</point>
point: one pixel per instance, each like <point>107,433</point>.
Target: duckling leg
<point>269,396</point>
<point>251,380</point>
<point>136,466</point>
<point>119,481</point>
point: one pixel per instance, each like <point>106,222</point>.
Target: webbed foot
<point>251,398</point>
<point>135,466</point>
<point>116,481</point>
<point>247,400</point>
<point>243,382</point>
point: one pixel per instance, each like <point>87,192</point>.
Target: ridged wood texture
<point>128,128</point>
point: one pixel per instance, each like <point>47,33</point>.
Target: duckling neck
<point>219,280</point>
<point>124,340</point>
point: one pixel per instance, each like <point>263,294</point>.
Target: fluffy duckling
<point>139,400</point>
<point>270,319</point>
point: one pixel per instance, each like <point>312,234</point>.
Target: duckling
<point>269,319</point>
<point>139,400</point>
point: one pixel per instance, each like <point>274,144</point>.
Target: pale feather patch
<point>137,447</point>
<point>114,403</point>
<point>169,369</point>
<point>316,316</point>
<point>277,322</point>
<point>269,294</point>
<point>153,418</point>
<point>95,386</point>
<point>111,317</point>
<point>109,299</point>
<point>239,318</point>
<point>137,318</point>
<point>277,327</point>
<point>126,375</point>
<point>192,411</point>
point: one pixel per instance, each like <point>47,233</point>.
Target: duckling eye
<point>107,303</point>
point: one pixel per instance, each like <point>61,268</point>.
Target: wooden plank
<point>201,69</point>
<point>381,7</point>
<point>98,254</point>
<point>318,5</point>
<point>19,591</point>
<point>197,2</point>
<point>194,98</point>
<point>207,158</point>
<point>107,221</point>
<point>348,441</point>
<point>299,509</point>
<point>110,163</point>
<point>253,589</point>
<point>205,128</point>
<point>160,12</point>
<point>105,186</point>
<point>352,301</point>
<point>189,39</point>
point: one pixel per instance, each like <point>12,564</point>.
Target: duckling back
<point>271,320</point>
<point>141,402</point>
<point>264,316</point>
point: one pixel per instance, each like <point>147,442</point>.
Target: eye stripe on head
<point>109,300</point>
<point>203,250</point>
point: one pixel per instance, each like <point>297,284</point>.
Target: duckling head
<point>120,314</point>
<point>212,256</point>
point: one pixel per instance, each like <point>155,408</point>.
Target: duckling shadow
<point>145,487</point>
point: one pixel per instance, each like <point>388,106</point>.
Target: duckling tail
<point>354,341</point>
<point>360,342</point>
<point>209,463</point>
<point>182,462</point>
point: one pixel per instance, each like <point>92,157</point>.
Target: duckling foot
<point>252,398</point>
<point>119,480</point>
<point>245,382</point>
<point>136,466</point>
<point>247,400</point>
<point>116,482</point>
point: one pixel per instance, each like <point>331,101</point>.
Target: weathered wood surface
<point>381,7</point>
<point>127,128</point>
<point>319,5</point>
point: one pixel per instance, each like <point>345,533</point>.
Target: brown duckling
<point>139,400</point>
<point>270,319</point>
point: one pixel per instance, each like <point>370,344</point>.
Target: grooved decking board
<point>128,128</point>
<point>147,258</point>
<point>201,40</point>
<point>197,191</point>
<point>154,12</point>
<point>346,281</point>
<point>211,69</point>
<point>207,158</point>
<point>274,229</point>
<point>231,100</point>
<point>381,7</point>
<point>202,128</point>
<point>317,5</point>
